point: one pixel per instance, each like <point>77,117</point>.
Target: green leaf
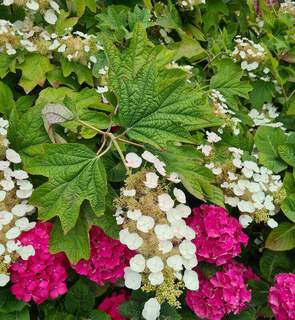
<point>34,70</point>
<point>27,131</point>
<point>75,174</point>
<point>227,80</point>
<point>281,238</point>
<point>82,72</point>
<point>196,178</point>
<point>288,207</point>
<point>272,263</point>
<point>7,104</point>
<point>287,153</point>
<point>244,315</point>
<point>289,183</point>
<point>99,315</point>
<point>80,299</point>
<point>8,303</point>
<point>260,290</point>
<point>152,111</point>
<point>131,310</point>
<point>21,315</point>
<point>75,243</point>
<point>267,140</point>
<point>262,92</point>
<point>6,63</point>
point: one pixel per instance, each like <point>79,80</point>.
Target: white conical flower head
<point>5,217</point>
<point>165,246</point>
<point>163,232</point>
<point>134,241</point>
<point>149,157</point>
<point>189,264</point>
<point>33,5</point>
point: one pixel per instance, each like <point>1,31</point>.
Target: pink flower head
<point>226,292</point>
<point>282,296</point>
<point>107,261</point>
<point>43,276</point>
<point>218,235</point>
<point>111,305</point>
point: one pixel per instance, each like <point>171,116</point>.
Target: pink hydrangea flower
<point>111,305</point>
<point>282,296</point>
<point>218,236</point>
<point>107,261</point>
<point>43,275</point>
<point>226,292</point>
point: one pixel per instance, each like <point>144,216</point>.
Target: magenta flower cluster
<point>43,275</point>
<point>282,296</point>
<point>108,258</point>
<point>218,236</point>
<point>225,292</point>
<point>110,305</point>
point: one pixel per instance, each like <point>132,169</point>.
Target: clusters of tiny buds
<point>248,53</point>
<point>251,188</point>
<point>152,220</point>
<point>24,36</point>
<point>49,9</point>
<point>266,117</point>
<point>222,110</point>
<point>15,189</point>
<point>190,4</point>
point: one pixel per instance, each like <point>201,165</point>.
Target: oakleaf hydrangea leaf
<point>153,110</point>
<point>75,174</point>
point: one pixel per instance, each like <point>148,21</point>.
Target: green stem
<point>120,153</point>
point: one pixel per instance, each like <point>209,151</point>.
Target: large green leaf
<point>80,298</point>
<point>281,238</point>
<point>75,243</point>
<point>227,80</point>
<point>262,92</point>
<point>272,263</point>
<point>287,153</point>
<point>288,207</point>
<point>75,174</point>
<point>152,110</point>
<point>7,104</point>
<point>267,141</point>
<point>195,177</point>
<point>34,70</point>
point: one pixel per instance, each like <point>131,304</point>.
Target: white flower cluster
<point>15,189</point>
<point>190,4</point>
<point>248,53</point>
<point>49,9</point>
<point>222,110</point>
<point>266,117</point>
<point>22,35</point>
<point>153,224</point>
<point>251,188</point>
<point>288,7</point>
<point>212,138</point>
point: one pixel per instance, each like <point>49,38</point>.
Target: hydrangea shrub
<point>147,155</point>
